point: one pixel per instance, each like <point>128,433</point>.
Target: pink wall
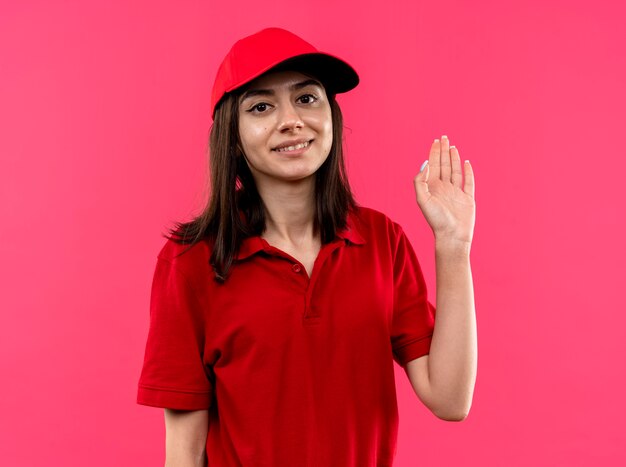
<point>103,127</point>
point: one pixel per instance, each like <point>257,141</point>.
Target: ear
<point>239,149</point>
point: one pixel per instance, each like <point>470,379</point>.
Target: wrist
<point>452,247</point>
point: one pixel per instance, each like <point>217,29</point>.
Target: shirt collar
<point>254,244</point>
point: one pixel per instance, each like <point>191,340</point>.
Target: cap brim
<point>336,75</point>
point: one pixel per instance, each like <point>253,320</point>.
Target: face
<point>282,108</point>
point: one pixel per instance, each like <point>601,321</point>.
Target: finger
<point>457,174</point>
<point>445,159</point>
<point>469,179</point>
<point>434,160</point>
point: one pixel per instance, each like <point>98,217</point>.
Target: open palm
<point>447,203</point>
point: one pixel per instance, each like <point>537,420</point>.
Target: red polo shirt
<point>295,371</point>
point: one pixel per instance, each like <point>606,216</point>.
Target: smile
<point>294,148</point>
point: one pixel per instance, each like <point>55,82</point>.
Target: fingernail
<point>444,137</point>
<point>423,165</point>
<point>436,140</point>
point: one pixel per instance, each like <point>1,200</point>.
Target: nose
<point>289,118</point>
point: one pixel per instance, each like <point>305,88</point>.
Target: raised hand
<point>447,203</point>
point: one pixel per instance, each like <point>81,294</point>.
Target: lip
<point>293,143</point>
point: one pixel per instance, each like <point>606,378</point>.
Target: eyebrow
<point>269,92</point>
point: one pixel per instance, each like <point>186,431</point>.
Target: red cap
<point>253,55</point>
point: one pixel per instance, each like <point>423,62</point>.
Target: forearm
<point>452,360</point>
<point>186,460</point>
<point>185,438</point>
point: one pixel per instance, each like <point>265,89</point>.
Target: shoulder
<point>193,261</point>
<point>372,222</point>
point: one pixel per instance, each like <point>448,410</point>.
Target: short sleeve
<point>413,315</point>
<point>173,374</point>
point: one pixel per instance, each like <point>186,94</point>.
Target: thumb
<point>421,185</point>
<point>424,169</point>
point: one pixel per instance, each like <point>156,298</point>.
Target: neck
<point>290,210</point>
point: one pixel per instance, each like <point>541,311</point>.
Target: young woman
<point>276,314</point>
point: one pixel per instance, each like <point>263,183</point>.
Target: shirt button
<point>296,268</point>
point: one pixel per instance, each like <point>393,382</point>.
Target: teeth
<point>293,148</point>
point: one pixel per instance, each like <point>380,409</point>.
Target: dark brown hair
<point>233,190</point>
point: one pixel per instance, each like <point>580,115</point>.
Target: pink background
<point>103,130</point>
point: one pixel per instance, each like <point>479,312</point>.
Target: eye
<point>262,104</point>
<point>309,96</point>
